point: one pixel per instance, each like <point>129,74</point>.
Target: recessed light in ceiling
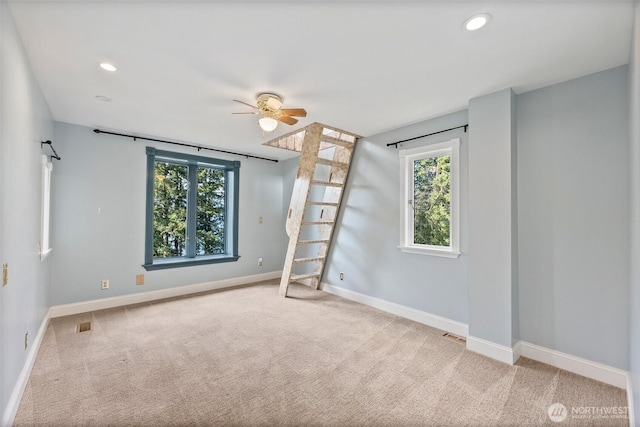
<point>103,98</point>
<point>476,22</point>
<point>107,66</point>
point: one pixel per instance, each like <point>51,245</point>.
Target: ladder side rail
<point>304,175</point>
<point>338,174</point>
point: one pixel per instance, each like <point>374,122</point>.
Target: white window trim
<point>407,157</point>
<point>45,213</point>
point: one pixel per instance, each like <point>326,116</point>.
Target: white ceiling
<point>365,67</point>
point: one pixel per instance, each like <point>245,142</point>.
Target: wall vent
<point>454,337</point>
<point>84,327</point>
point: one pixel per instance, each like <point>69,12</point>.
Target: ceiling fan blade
<point>249,112</point>
<point>298,112</point>
<point>288,120</point>
<point>248,105</point>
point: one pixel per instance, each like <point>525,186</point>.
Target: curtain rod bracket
<point>50,144</point>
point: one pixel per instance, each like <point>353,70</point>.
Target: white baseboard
<point>630,408</point>
<point>494,351</point>
<point>423,317</point>
<point>594,370</point>
<point>517,351</point>
<point>100,304</point>
<point>21,384</point>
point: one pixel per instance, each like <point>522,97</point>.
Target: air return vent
<point>84,327</point>
<point>454,337</point>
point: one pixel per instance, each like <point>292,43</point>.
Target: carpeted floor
<point>246,356</point>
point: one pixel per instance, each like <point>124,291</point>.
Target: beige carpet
<point>246,356</point>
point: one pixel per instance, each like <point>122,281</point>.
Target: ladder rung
<point>296,277</point>
<point>319,223</point>
<point>332,163</point>
<point>323,203</point>
<point>336,141</point>
<point>327,183</point>
<point>311,242</point>
<point>311,259</point>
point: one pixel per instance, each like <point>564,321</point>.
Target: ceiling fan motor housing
<point>269,102</point>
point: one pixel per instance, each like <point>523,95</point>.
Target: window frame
<point>232,188</point>
<point>407,158</point>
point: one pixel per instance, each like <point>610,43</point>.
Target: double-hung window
<point>192,210</point>
<point>429,201</point>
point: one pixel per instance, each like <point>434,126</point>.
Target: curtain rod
<point>183,144</point>
<point>429,134</point>
<point>54,155</point>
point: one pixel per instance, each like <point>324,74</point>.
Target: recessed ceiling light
<point>476,22</point>
<point>107,66</point>
<point>103,98</point>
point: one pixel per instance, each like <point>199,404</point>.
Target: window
<point>192,210</point>
<point>45,213</point>
<point>429,201</point>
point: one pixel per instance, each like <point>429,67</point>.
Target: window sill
<point>446,253</point>
<point>166,263</point>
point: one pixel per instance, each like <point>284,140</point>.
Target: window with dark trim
<point>192,210</point>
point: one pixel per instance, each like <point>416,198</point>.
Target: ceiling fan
<point>270,106</point>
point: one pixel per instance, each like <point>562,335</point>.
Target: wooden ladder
<point>325,157</point>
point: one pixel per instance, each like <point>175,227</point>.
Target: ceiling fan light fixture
<point>268,124</point>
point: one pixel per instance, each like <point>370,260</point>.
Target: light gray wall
<point>573,227</point>
<point>491,215</point>
<point>634,115</point>
<point>108,173</point>
<point>25,120</point>
<point>365,245</point>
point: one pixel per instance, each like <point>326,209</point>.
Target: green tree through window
<point>192,210</point>
<point>210,218</point>
<point>432,201</point>
<point>170,210</point>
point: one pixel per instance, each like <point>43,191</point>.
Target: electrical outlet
<point>260,262</point>
<point>139,279</point>
<point>5,274</point>
<point>259,220</point>
<point>104,284</point>
<point>26,340</point>
<point>341,276</point>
